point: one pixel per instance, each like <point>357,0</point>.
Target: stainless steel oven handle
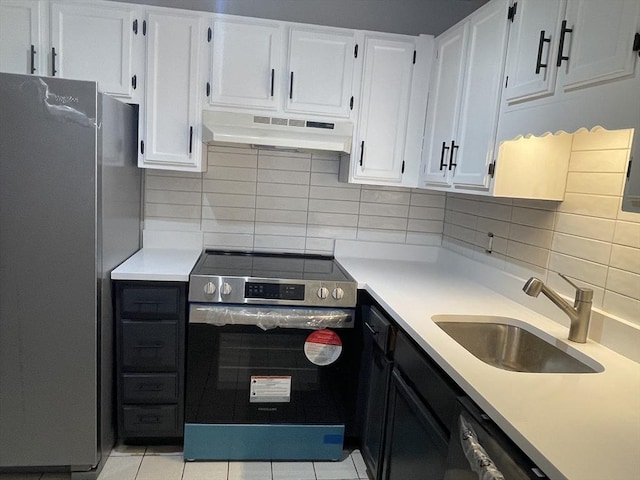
<point>267,317</point>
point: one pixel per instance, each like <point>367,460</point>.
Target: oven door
<point>268,382</point>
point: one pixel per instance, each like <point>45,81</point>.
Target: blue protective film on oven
<point>263,442</point>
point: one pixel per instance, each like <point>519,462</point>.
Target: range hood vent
<point>278,132</point>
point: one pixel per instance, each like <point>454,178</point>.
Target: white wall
<point>587,236</point>
<point>252,199</point>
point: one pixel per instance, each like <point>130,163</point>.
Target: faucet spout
<point>579,313</point>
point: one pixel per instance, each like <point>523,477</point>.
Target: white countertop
<point>158,264</point>
<point>574,426</point>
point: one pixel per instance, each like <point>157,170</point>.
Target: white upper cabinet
<point>320,71</point>
<point>253,66</point>
<point>596,42</point>
<point>562,45</point>
<point>533,45</point>
<point>594,52</point>
<point>444,103</point>
<point>172,124</point>
<point>464,100</point>
<point>23,26</point>
<point>246,64</point>
<point>392,80</point>
<point>94,42</point>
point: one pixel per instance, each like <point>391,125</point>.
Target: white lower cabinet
<point>172,113</point>
<point>462,116</point>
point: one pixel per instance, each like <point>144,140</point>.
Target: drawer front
<point>435,388</point>
<point>151,302</point>
<point>149,388</point>
<point>149,346</point>
<point>157,420</point>
<point>379,327</point>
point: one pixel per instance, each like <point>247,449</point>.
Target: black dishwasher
<point>378,342</point>
<point>479,449</point>
<point>421,407</point>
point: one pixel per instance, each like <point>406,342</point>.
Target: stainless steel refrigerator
<point>70,210</point>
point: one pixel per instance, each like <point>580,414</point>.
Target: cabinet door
<point>478,119</point>
<point>444,104</point>
<point>320,72</point>
<point>22,45</point>
<point>172,123</point>
<point>533,42</point>
<point>246,64</point>
<point>600,45</point>
<point>386,89</point>
<point>93,43</point>
<point>416,445</point>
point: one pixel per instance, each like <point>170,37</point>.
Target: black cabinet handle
<point>371,329</point>
<point>444,149</point>
<point>135,26</point>
<point>53,61</point>
<point>134,82</point>
<point>33,59</point>
<point>454,147</point>
<point>541,43</point>
<point>361,152</point>
<point>273,74</point>
<point>208,88</point>
<point>291,87</point>
<point>144,27</point>
<point>150,345</point>
<point>190,139</point>
<point>563,31</point>
<point>149,419</point>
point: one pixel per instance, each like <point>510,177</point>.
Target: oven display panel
<point>274,291</point>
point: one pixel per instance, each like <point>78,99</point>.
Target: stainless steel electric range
<point>271,357</point>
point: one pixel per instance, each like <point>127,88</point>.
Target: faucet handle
<point>582,294</point>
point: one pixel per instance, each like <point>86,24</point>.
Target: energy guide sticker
<point>323,347</point>
<point>267,389</point>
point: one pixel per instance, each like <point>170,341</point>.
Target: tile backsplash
<point>587,236</point>
<point>259,199</point>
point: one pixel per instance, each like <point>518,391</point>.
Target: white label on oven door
<point>270,389</point>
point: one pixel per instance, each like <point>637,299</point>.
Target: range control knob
<point>209,288</point>
<point>225,289</point>
<point>323,292</point>
<point>337,293</point>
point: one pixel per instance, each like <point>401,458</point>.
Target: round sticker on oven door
<point>323,347</point>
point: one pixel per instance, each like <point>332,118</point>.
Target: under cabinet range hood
<point>276,131</point>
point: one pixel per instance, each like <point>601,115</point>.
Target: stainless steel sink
<point>497,341</point>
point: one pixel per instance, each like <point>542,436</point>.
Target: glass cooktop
<point>269,265</point>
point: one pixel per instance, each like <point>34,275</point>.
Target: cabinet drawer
<point>157,420</point>
<point>435,388</point>
<point>380,329</point>
<point>150,346</point>
<point>151,302</point>
<point>149,388</point>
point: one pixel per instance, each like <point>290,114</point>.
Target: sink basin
<point>497,341</point>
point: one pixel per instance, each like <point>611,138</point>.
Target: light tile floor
<point>166,463</point>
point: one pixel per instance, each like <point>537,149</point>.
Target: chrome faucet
<point>579,312</point>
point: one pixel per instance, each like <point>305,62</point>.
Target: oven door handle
<point>271,317</point>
